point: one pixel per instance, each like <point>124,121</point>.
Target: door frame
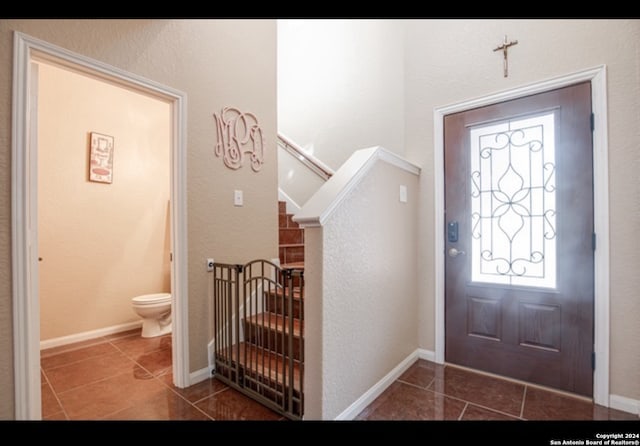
<point>597,76</point>
<point>24,228</point>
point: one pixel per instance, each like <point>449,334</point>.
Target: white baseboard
<point>427,355</point>
<point>199,375</point>
<point>625,404</point>
<point>86,335</point>
<point>374,392</point>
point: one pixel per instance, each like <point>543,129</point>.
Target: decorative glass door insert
<point>513,202</point>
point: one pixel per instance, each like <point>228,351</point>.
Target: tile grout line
<point>104,417</point>
<point>212,394</point>
<point>192,404</point>
<point>55,395</point>
<point>131,358</point>
<point>202,411</point>
<point>464,409</point>
<point>524,396</point>
<point>413,385</point>
<point>79,360</point>
<point>474,404</point>
<point>94,382</point>
<point>159,380</point>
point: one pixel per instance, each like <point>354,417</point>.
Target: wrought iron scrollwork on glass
<point>513,202</point>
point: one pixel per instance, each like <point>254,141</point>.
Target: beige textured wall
<point>370,295</point>
<point>449,61</point>
<point>340,86</point>
<point>216,63</point>
<point>101,244</point>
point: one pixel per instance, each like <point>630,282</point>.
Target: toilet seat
<point>151,299</point>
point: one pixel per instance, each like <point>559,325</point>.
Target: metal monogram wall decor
<point>239,134</point>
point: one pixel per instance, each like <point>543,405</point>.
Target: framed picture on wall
<point>101,158</point>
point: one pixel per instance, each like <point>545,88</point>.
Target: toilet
<point>155,311</point>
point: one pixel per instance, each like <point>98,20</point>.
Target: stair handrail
<point>313,163</point>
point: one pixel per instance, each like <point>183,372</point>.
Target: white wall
<point>340,86</point>
<point>360,319</point>
<point>449,61</point>
<point>295,179</point>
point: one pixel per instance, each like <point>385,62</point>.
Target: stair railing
<point>313,163</point>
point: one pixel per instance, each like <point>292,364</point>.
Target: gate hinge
<point>593,241</point>
<point>593,360</point>
<point>593,122</point>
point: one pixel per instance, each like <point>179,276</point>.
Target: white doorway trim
<point>598,78</point>
<point>26,303</point>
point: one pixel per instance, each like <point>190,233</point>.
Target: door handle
<point>453,252</point>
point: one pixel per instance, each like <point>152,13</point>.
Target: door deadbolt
<point>452,231</point>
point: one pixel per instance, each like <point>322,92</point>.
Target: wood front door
<point>519,239</point>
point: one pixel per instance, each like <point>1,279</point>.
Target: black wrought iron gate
<point>258,321</point>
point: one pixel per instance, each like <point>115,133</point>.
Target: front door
<point>519,239</point>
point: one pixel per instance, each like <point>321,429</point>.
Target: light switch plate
<point>403,193</point>
<point>238,199</point>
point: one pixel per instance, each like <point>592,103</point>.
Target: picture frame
<point>101,158</point>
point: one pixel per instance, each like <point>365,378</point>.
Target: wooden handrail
<point>310,161</point>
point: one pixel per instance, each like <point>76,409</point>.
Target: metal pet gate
<point>258,321</point>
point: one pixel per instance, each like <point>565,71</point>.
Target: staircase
<point>291,239</point>
<point>267,364</point>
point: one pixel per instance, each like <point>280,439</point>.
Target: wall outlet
<point>210,264</point>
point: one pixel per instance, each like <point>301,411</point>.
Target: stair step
<point>276,304</point>
<point>295,265</point>
<point>290,222</point>
<point>266,330</point>
<point>285,221</point>
<point>275,322</point>
<point>291,253</point>
<point>262,365</point>
<point>279,292</point>
<point>288,236</point>
<point>292,245</point>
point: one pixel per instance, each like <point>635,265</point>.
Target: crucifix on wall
<point>504,47</point>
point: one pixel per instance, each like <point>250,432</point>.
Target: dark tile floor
<point>127,377</point>
<point>428,391</point>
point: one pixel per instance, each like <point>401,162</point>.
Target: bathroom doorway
<point>30,55</point>
<point>102,238</point>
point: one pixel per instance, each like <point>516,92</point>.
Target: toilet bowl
<point>155,311</point>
